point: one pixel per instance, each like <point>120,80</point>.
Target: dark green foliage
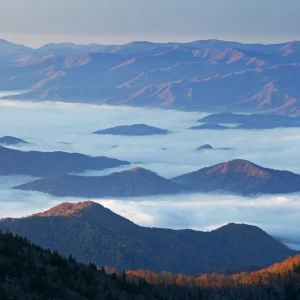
<point>297,269</point>
<point>291,291</point>
<point>57,260</point>
<point>28,272</point>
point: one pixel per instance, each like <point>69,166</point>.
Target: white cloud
<point>47,125</point>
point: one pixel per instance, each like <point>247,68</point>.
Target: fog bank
<point>68,127</point>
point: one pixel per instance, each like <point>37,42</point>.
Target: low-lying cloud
<point>277,215</point>
<point>68,127</point>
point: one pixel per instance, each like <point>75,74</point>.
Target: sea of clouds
<point>68,127</point>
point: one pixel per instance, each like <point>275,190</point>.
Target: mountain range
<point>29,272</point>
<point>16,162</point>
<point>131,183</point>
<point>94,233</point>
<point>249,121</point>
<point>236,176</point>
<point>209,75</point>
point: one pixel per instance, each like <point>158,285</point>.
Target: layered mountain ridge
<point>237,176</point>
<point>36,163</point>
<point>202,75</point>
<point>135,182</point>
<point>28,271</point>
<point>95,233</point>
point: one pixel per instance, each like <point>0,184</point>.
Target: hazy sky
<point>35,22</point>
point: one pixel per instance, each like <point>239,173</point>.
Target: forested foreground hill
<point>92,232</point>
<point>276,276</point>
<point>29,272</point>
<point>279,281</point>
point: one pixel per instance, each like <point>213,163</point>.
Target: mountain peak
<point>11,140</point>
<point>140,170</point>
<point>133,130</point>
<point>238,226</point>
<point>241,177</point>
<point>95,233</point>
<point>239,166</point>
<point>69,209</point>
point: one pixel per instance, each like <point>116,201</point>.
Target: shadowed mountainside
<point>94,233</point>
<point>239,176</point>
<point>29,272</point>
<point>131,183</point>
<point>13,162</point>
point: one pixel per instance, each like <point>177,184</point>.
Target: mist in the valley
<point>68,127</point>
<point>277,215</point>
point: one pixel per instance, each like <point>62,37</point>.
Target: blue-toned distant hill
<point>241,177</point>
<point>205,147</point>
<point>208,75</point>
<point>237,176</point>
<point>13,162</point>
<point>11,141</point>
<point>252,121</point>
<point>131,183</point>
<point>133,130</point>
<point>209,126</point>
<point>210,147</point>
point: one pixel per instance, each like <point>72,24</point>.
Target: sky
<point>35,22</point>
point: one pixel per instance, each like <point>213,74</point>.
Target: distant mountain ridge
<point>16,162</point>
<point>209,75</point>
<point>237,176</point>
<point>136,182</point>
<point>241,177</point>
<point>95,233</point>
<point>250,121</point>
